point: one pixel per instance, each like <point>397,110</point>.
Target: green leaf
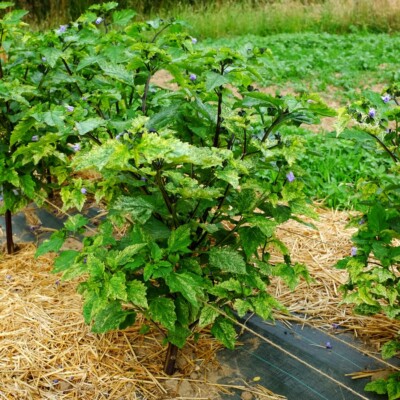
<point>95,267</point>
<point>116,287</point>
<point>14,17</point>
<point>51,245</point>
<point>90,60</point>
<point>224,331</point>
<point>52,55</point>
<point>28,185</point>
<point>136,292</point>
<point>109,318</point>
<point>21,130</point>
<point>117,72</point>
<point>178,335</point>
<point>251,239</point>
<point>207,316</point>
<point>65,260</point>
<point>191,286</point>
<point>89,125</point>
<point>229,175</point>
<point>214,80</point>
<point>128,252</point>
<point>5,4</point>
<point>377,219</point>
<point>266,226</point>
<point>138,207</point>
<point>162,310</point>
<point>227,260</point>
<point>161,269</point>
<point>379,386</point>
<point>390,349</point>
<point>393,387</point>
<point>122,17</point>
<point>75,222</point>
<point>179,241</point>
<point>264,305</point>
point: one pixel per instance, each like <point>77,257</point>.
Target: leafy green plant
<point>373,284</point>
<point>198,178</point>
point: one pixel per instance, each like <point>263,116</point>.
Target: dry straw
<point>47,352</point>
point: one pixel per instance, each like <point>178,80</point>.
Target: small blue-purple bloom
<point>361,221</point>
<point>385,98</point>
<point>193,77</point>
<point>76,147</point>
<point>9,277</point>
<point>372,112</point>
<point>328,345</point>
<point>44,59</point>
<point>353,251</point>
<point>290,176</point>
<point>83,191</point>
<point>35,138</point>
<point>55,381</point>
<point>335,326</point>
<point>62,28</point>
<point>194,40</point>
<point>118,137</point>
<point>98,21</point>
<point>70,108</point>
<point>57,282</point>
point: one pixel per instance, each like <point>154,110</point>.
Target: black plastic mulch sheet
<point>334,354</point>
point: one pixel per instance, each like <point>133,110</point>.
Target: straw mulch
<point>47,352</point>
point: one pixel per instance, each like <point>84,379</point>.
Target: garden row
<point>199,177</point>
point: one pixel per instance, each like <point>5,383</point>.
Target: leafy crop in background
<point>373,266</point>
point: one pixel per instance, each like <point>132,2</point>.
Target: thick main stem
<point>170,359</point>
<point>9,234</point>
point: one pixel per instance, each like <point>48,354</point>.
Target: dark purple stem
<point>9,234</point>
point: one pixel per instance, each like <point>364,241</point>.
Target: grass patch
<point>220,18</point>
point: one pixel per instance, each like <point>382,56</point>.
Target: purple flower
<point>35,138</point>
<point>55,381</point>
<point>328,345</point>
<point>290,176</point>
<point>84,260</point>
<point>194,40</point>
<point>44,59</point>
<point>76,147</point>
<point>70,108</point>
<point>98,21</point>
<point>335,326</point>
<point>353,251</point>
<point>57,282</point>
<point>192,77</point>
<point>361,221</point>
<point>62,28</point>
<point>118,137</point>
<point>9,277</point>
<point>372,112</point>
<point>83,191</point>
<point>385,98</point>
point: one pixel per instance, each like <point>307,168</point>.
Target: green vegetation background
<point>218,18</point>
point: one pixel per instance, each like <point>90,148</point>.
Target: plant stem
<point>219,119</point>
<point>9,234</point>
<point>170,359</point>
